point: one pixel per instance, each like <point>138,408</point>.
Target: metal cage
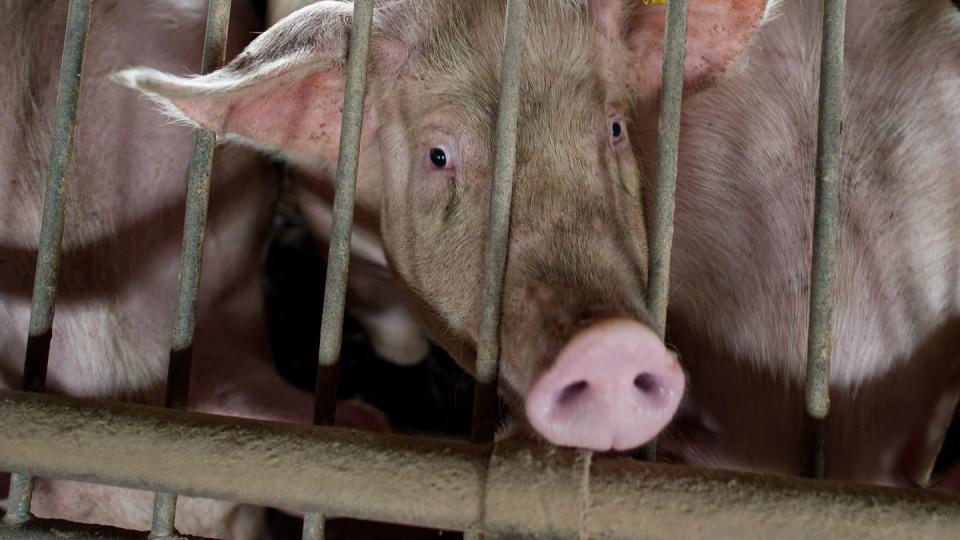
<point>484,489</point>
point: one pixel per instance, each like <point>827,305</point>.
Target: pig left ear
<point>717,32</point>
<point>285,91</point>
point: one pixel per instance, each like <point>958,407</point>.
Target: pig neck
<point>740,271</point>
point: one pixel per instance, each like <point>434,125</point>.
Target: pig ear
<point>717,31</point>
<point>284,91</point>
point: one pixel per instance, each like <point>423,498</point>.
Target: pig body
<point>118,279</point>
<point>576,356</point>
<point>740,274</point>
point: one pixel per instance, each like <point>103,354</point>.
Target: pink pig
<point>579,367</point>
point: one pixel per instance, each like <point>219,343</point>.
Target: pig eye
<point>439,159</point>
<point>617,130</point>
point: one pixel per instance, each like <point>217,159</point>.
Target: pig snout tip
<point>614,386</point>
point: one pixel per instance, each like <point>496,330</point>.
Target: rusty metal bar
<point>510,489</point>
<point>817,399</point>
<point>338,260</point>
<point>51,230</point>
<point>485,404</point>
<point>55,529</point>
<point>668,142</point>
<point>191,255</point>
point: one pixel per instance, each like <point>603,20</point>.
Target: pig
<point>117,287</point>
<point>579,364</point>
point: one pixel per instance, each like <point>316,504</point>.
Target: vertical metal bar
<point>485,400</point>
<point>498,228</point>
<point>313,526</point>
<point>661,221</point>
<point>191,255</point>
<point>51,230</point>
<point>817,399</point>
<point>338,260</point>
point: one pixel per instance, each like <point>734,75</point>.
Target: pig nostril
<point>571,392</point>
<point>645,382</point>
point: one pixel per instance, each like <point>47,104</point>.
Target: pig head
<point>577,356</point>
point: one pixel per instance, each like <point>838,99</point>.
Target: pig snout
<point>613,386</point>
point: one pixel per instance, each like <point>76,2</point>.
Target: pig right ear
<point>284,91</point>
<point>717,32</point>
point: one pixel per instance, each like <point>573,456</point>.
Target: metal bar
<point>313,526</point>
<point>509,489</point>
<point>485,404</point>
<point>817,399</point>
<point>51,230</point>
<point>55,529</point>
<point>338,259</point>
<point>191,255</point>
<point>664,203</point>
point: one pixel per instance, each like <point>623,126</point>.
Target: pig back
<point>125,196</point>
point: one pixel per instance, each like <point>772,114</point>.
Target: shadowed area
<point>434,398</point>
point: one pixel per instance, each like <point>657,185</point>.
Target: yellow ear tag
<point>660,2</point>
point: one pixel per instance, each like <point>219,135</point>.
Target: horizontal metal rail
<point>508,489</point>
